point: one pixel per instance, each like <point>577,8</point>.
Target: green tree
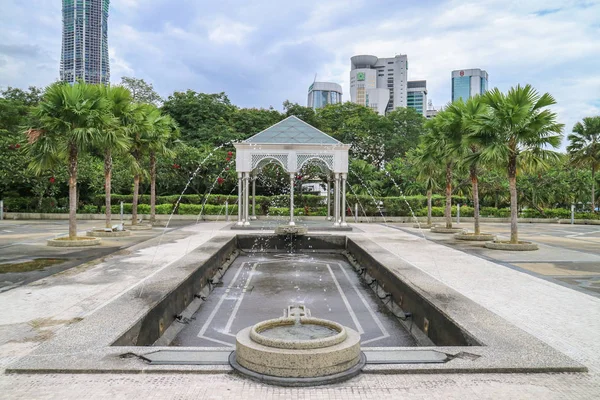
<point>306,114</point>
<point>161,133</point>
<point>405,129</point>
<point>139,127</point>
<point>247,122</point>
<point>517,131</point>
<point>66,123</point>
<point>202,118</point>
<point>115,138</point>
<point>470,145</point>
<point>584,148</point>
<point>141,91</point>
<point>442,143</point>
<point>428,173</point>
<point>364,178</point>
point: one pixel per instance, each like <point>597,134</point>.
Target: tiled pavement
<point>565,319</point>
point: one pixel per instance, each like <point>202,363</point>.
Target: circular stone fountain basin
<point>299,332</point>
<point>298,351</point>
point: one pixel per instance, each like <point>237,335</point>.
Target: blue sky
<point>263,52</point>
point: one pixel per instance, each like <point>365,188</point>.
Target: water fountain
<point>298,350</point>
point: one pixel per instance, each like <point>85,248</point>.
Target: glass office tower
<point>85,41</point>
<point>467,83</point>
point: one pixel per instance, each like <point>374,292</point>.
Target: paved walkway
<point>565,319</point>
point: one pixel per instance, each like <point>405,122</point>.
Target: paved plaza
<point>559,314</point>
<point>569,256</point>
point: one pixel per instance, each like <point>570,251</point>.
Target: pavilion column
<point>328,198</point>
<point>292,177</point>
<point>344,177</point>
<point>253,198</point>
<point>246,193</point>
<point>336,200</point>
<point>240,199</point>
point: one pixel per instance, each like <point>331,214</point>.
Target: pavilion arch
<point>292,143</point>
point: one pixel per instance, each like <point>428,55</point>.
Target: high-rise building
<point>85,41</point>
<point>379,83</point>
<point>467,83</point>
<point>416,96</point>
<point>322,93</point>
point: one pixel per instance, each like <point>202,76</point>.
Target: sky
<point>263,52</point>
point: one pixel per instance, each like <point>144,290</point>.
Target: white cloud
<point>223,30</point>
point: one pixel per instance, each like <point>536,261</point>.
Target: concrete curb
<point>441,229</point>
<point>521,246</point>
<point>482,237</point>
<point>108,234</point>
<point>141,227</point>
<point>93,241</point>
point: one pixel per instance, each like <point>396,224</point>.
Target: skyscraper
<point>85,41</point>
<point>379,83</point>
<point>416,96</point>
<point>322,93</point>
<point>467,83</point>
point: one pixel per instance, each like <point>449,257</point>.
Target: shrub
<point>88,209</point>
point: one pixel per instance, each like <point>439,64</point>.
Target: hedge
<point>305,204</point>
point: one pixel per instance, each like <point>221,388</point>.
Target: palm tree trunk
<point>475,184</point>
<point>593,188</point>
<point>448,210</point>
<point>512,184</point>
<point>107,186</point>
<point>134,204</point>
<point>72,192</point>
<point>429,207</point>
<point>152,187</point>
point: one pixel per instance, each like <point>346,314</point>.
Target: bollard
<point>572,214</point>
<point>458,213</point>
<point>226,210</point>
<point>356,212</point>
<point>1,210</point>
<point>121,213</point>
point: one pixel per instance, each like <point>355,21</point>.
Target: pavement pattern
<point>566,319</point>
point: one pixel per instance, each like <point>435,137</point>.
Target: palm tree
<point>467,113</point>
<point>162,131</point>
<point>68,121</point>
<point>115,138</point>
<point>518,128</point>
<point>428,172</point>
<point>442,143</point>
<point>584,148</point>
<point>139,128</point>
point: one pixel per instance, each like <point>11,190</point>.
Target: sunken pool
<point>257,287</point>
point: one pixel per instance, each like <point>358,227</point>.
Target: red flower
<point>17,146</point>
<point>228,159</point>
<point>52,179</point>
<point>220,180</point>
<point>176,166</point>
<point>299,177</point>
<point>226,168</point>
<point>229,154</point>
